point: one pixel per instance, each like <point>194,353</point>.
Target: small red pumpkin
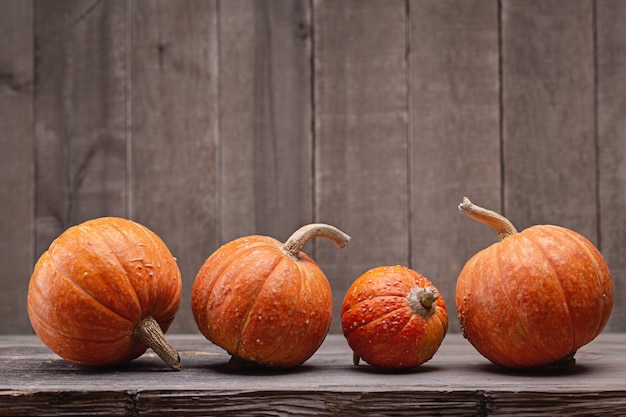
<point>263,301</point>
<point>103,292</point>
<point>535,297</point>
<point>394,318</point>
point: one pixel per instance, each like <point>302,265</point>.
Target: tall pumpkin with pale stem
<point>535,297</point>
<point>263,301</point>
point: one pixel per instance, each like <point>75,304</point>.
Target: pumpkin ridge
<point>558,280</point>
<point>45,324</point>
<point>390,336</point>
<point>412,317</point>
<point>130,345</point>
<point>445,328</point>
<point>398,295</point>
<point>585,247</point>
<point>506,290</point>
<point>324,283</point>
<point>58,332</point>
<point>400,307</point>
<point>213,281</point>
<point>379,318</point>
<point>97,232</point>
<point>427,335</point>
<point>285,352</point>
<point>174,301</point>
<point>84,291</point>
<point>244,252</point>
<point>154,245</point>
<point>256,296</point>
<point>246,318</point>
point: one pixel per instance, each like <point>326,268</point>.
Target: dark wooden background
<point>210,120</point>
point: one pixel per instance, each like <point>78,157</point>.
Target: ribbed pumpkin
<point>264,301</point>
<point>103,292</point>
<point>535,297</point>
<point>393,317</point>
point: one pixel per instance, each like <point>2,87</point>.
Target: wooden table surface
<point>457,381</point>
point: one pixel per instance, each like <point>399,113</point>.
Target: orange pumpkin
<point>393,317</point>
<point>263,301</point>
<point>103,292</point>
<point>535,297</point>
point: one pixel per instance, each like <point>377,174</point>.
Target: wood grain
<point>455,136</point>
<point>80,114</point>
<point>16,165</point>
<point>548,114</point>
<point>361,136</point>
<point>175,131</point>
<point>611,114</point>
<point>265,112</point>
<point>456,381</point>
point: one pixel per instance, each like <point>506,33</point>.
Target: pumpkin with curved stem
<point>103,292</point>
<point>535,297</point>
<point>265,302</point>
<point>393,317</point>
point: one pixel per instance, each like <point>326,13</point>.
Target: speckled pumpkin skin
<point>382,328</point>
<point>96,282</point>
<point>534,298</point>
<point>262,305</point>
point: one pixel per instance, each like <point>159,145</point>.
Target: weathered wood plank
<point>80,114</point>
<point>174,131</point>
<point>457,381</point>
<point>28,365</point>
<point>265,111</point>
<point>360,136</point>
<point>610,403</point>
<point>63,403</point>
<point>548,114</point>
<point>455,135</point>
<point>316,403</point>
<point>16,168</point>
<point>611,75</point>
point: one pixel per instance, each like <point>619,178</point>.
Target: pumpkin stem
<point>503,227</point>
<point>421,300</point>
<point>296,241</point>
<point>149,332</point>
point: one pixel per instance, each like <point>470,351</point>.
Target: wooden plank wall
<point>17,181</point>
<point>210,120</point>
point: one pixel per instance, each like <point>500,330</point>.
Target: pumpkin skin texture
<point>534,298</point>
<point>393,318</point>
<point>264,302</point>
<point>103,291</point>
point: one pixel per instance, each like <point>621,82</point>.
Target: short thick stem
<point>503,227</point>
<point>421,300</point>
<point>296,241</point>
<point>149,332</point>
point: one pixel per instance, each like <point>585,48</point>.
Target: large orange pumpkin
<point>103,292</point>
<point>393,317</point>
<point>263,301</point>
<point>535,297</point>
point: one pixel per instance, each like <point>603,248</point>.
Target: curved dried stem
<point>296,241</point>
<point>503,227</point>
